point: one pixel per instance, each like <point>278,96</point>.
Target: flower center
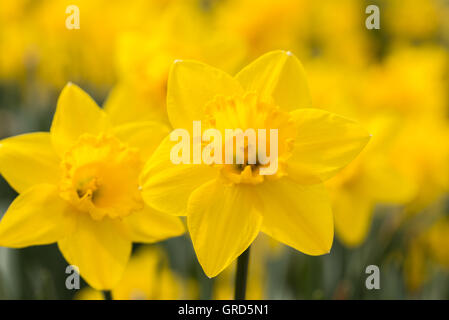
<point>249,112</point>
<point>100,176</point>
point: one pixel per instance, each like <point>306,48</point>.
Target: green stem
<point>107,295</point>
<point>241,275</point>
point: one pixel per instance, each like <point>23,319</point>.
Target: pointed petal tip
<point>211,275</point>
<point>69,84</point>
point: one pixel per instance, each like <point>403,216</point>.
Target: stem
<point>241,275</point>
<point>107,295</point>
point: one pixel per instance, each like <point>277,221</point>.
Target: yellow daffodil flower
<point>147,277</point>
<point>227,205</point>
<point>78,186</point>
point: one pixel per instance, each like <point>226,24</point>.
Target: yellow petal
<point>29,159</point>
<point>37,216</point>
<point>126,104</point>
<point>166,186</point>
<point>76,113</point>
<point>297,215</point>
<point>145,136</point>
<point>280,76</point>
<point>99,249</point>
<point>352,213</point>
<point>150,226</point>
<point>325,143</point>
<point>222,223</point>
<point>191,85</point>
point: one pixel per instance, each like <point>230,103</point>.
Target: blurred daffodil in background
<point>147,277</point>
